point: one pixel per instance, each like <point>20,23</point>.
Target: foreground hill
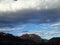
<point>26,39</point>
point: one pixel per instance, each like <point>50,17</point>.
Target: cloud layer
<point>12,5</point>
<point>30,16</point>
<point>29,11</point>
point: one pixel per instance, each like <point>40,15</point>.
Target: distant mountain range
<point>26,39</point>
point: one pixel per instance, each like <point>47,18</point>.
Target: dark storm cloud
<point>29,16</point>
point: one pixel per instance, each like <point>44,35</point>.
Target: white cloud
<point>8,29</point>
<point>53,33</point>
<point>11,5</point>
<point>43,33</point>
<point>55,26</point>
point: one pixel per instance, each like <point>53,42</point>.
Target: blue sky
<point>44,30</point>
<point>41,17</point>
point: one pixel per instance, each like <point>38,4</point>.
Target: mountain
<point>9,39</point>
<point>33,37</point>
<point>26,39</point>
<point>54,41</point>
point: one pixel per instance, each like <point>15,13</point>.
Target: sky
<point>41,17</point>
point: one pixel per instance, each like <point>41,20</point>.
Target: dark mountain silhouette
<point>26,39</point>
<point>54,41</point>
<point>33,37</point>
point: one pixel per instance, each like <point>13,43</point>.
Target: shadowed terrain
<point>26,39</point>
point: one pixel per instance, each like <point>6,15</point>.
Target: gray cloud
<point>29,16</point>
